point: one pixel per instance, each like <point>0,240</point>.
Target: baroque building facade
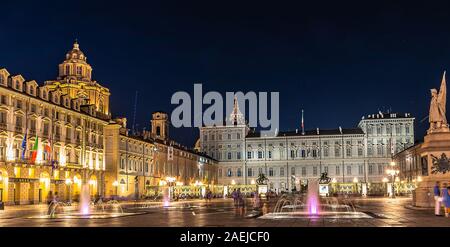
<point>139,164</point>
<point>65,134</point>
<point>59,136</point>
<point>292,157</point>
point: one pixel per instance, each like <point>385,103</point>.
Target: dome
<point>76,53</point>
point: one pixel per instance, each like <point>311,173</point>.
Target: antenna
<point>134,114</point>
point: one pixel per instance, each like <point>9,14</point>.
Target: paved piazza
<point>383,212</point>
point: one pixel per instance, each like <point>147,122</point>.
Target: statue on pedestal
<point>437,118</point>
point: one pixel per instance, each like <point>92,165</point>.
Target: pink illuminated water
<point>85,200</point>
<point>166,197</point>
<point>313,197</point>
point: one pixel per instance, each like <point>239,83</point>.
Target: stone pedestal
<point>435,144</point>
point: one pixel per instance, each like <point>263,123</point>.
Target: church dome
<point>76,53</point>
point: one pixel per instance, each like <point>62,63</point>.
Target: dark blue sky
<point>337,61</point>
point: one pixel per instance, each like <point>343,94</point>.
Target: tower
<point>75,79</point>
<point>160,125</point>
<point>236,116</point>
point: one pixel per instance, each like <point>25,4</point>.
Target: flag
<point>34,150</point>
<point>48,150</point>
<point>24,146</point>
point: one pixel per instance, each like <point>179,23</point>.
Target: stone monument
<point>435,149</point>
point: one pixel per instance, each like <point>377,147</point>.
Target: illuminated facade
<point>292,157</point>
<point>69,135</point>
<point>140,164</point>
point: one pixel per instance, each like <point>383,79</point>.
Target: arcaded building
<point>59,136</point>
<point>51,136</point>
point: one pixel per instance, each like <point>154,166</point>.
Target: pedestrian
<point>49,201</point>
<point>437,199</point>
<point>446,199</point>
<point>234,196</point>
<point>256,202</point>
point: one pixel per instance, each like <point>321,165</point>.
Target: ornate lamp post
<point>393,172</point>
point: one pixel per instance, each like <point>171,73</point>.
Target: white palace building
<point>354,155</point>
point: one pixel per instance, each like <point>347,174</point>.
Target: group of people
<point>238,198</point>
<point>441,196</point>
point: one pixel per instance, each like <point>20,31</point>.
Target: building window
<point>314,153</point>
<point>238,136</point>
<point>205,138</point>
<point>260,171</point>
<point>249,172</point>
<point>270,154</point>
<point>337,152</point>
<point>229,172</point>
<point>292,154</point>
<point>379,130</point>
<point>271,173</point>
<point>349,170</point>
<point>229,155</point>
<point>79,70</point>
<point>238,155</point>
<point>379,149</point>
<point>325,152</point>
<point>249,155</point>
<point>360,151</point>
<point>303,171</point>
<point>338,170</point>
<point>360,169</point>
<point>314,170</point>
<point>303,153</point>
<point>398,129</point>
<point>370,169</point>
<point>122,164</point>
<point>239,172</point>
<point>260,154</point>
<point>349,152</point>
<point>229,136</point>
<point>380,169</point>
<point>281,171</point>
<point>407,129</point>
<point>292,170</point>
<point>220,173</point>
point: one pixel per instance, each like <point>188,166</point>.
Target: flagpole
<point>303,125</point>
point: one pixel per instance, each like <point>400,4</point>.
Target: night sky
<point>336,61</point>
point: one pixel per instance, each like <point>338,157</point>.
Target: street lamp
<point>69,183</point>
<point>393,172</point>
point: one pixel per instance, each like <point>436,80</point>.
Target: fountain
<point>85,200</point>
<point>312,205</point>
<point>86,209</point>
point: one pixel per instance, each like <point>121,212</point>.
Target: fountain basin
<point>99,215</point>
<point>319,215</point>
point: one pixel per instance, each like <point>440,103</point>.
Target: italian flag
<point>34,150</point>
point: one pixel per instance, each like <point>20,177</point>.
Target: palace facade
<point>347,155</point>
<point>59,136</point>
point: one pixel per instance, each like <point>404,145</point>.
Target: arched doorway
<point>3,185</point>
<point>44,186</point>
<point>93,185</point>
<point>76,186</point>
